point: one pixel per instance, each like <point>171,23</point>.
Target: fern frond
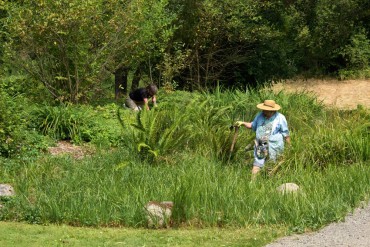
<point>142,145</point>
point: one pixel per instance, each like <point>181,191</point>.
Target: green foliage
<point>202,127</point>
<point>16,139</point>
<point>346,74</point>
<point>171,127</point>
<point>357,53</point>
<point>200,123</point>
<point>55,40</point>
<point>27,86</point>
<point>171,66</point>
<point>22,234</point>
<point>14,84</point>
<point>160,132</point>
<point>103,128</point>
<point>188,138</point>
<point>206,193</point>
<point>8,122</point>
<point>79,123</point>
<point>61,122</point>
<point>326,139</point>
<point>357,56</point>
<point>229,31</point>
<point>71,48</point>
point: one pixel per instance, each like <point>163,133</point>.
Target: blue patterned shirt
<point>274,129</point>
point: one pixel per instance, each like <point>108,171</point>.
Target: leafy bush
<point>345,74</point>
<point>159,132</point>
<point>8,122</point>
<point>103,128</point>
<point>78,123</point>
<point>61,122</point>
<point>357,53</point>
<point>357,56</point>
<point>16,139</point>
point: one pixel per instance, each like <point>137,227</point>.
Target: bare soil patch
<point>68,148</point>
<point>347,94</point>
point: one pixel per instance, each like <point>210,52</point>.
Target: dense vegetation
<point>180,152</point>
<point>71,50</point>
<point>66,64</point>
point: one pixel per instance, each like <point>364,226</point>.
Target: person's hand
<point>238,123</point>
<point>288,141</point>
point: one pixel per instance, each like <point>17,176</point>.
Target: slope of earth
<point>347,94</point>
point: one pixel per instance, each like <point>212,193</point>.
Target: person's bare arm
<point>154,100</point>
<point>287,139</point>
<point>146,103</point>
<point>245,124</point>
<point>248,125</point>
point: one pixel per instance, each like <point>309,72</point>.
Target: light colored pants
<point>275,148</point>
<point>134,105</point>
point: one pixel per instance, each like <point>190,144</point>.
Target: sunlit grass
<point>187,160</point>
<point>18,234</point>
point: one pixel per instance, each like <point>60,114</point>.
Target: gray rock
<point>6,190</point>
<point>159,214</point>
<point>288,188</point>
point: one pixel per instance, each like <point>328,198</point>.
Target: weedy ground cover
<point>180,151</point>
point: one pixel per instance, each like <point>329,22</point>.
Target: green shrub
<point>16,138</point>
<point>78,123</point>
<point>357,56</point>
<point>9,120</point>
<point>346,74</point>
<point>357,53</point>
<point>103,128</point>
<point>61,122</point>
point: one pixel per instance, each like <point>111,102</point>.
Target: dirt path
<point>342,94</point>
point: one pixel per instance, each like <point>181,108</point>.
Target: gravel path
<point>353,232</point>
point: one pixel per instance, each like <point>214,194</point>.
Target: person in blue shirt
<point>272,131</point>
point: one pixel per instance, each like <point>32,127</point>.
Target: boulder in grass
<point>288,188</point>
<point>159,214</point>
<point>6,190</point>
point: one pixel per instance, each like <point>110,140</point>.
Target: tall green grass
<point>178,152</point>
<point>108,191</point>
<point>78,123</point>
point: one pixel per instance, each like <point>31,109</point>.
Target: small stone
<point>6,190</point>
<point>288,188</point>
<point>159,214</point>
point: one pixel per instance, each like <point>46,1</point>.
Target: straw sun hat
<point>269,105</point>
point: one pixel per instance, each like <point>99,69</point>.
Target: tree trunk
<point>136,79</point>
<point>120,82</point>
